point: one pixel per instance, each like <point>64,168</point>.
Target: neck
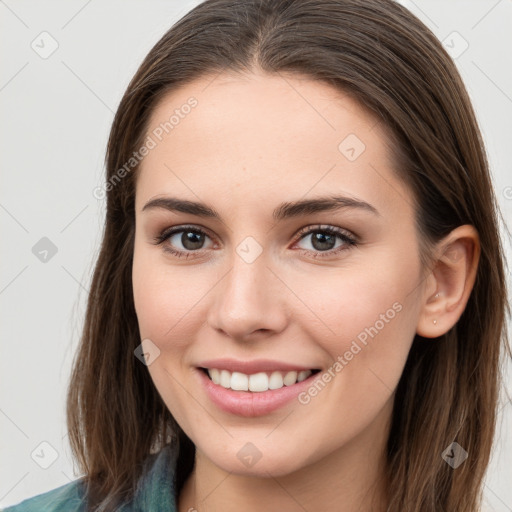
<point>349,479</point>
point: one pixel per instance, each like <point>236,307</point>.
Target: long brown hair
<point>390,62</point>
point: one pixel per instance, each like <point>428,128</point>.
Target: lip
<point>251,367</point>
<point>251,404</point>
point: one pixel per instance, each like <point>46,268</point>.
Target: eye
<point>190,238</point>
<point>324,238</point>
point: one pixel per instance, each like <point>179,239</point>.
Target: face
<point>323,298</point>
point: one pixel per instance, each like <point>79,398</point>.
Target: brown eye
<point>324,239</point>
<point>190,240</point>
<point>182,241</point>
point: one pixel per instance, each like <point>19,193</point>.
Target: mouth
<point>255,387</point>
<point>257,382</point>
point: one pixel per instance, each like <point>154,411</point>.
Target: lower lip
<point>252,403</point>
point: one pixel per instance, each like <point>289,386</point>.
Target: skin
<point>253,142</point>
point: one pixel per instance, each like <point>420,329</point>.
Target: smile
<point>253,388</point>
<point>257,382</point>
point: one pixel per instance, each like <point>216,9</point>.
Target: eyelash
<point>348,240</point>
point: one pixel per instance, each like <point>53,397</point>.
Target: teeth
<point>258,381</point>
<point>275,381</point>
<point>225,379</point>
<point>303,375</point>
<point>239,381</point>
<point>215,375</point>
<point>290,378</point>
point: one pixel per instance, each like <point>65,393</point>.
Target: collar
<point>155,490</point>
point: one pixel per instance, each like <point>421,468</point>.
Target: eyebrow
<point>284,211</point>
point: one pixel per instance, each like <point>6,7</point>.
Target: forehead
<point>266,135</point>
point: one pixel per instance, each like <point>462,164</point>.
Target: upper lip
<point>253,366</point>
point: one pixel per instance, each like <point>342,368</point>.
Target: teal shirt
<point>155,492</point>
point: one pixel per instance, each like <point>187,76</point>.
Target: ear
<point>449,283</point>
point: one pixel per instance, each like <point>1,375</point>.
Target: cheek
<point>163,300</point>
<point>365,314</point>
<point>165,316</point>
<point>367,329</point>
<point>350,299</point>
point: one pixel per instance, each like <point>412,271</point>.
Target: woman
<point>300,299</point>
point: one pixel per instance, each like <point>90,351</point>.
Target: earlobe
<point>450,282</point>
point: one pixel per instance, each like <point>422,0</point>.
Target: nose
<point>249,301</point>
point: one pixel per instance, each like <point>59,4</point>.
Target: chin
<point>248,460</point>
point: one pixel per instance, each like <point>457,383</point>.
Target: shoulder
<point>66,498</point>
<point>155,490</point>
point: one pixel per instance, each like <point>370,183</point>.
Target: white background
<point>56,116</point>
